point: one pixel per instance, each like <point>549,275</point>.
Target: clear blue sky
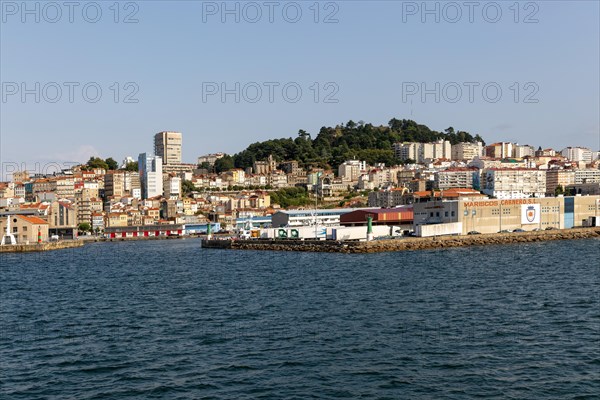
<point>374,49</point>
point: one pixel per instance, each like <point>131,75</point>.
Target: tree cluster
<point>97,162</point>
<point>334,145</point>
<point>291,197</point>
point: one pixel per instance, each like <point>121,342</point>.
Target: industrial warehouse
<point>437,214</point>
<point>492,216</point>
<point>454,212</point>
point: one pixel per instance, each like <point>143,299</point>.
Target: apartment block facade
<point>517,183</point>
<point>167,146</point>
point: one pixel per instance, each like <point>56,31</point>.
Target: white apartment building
<point>172,187</point>
<point>466,151</point>
<point>455,178</point>
<point>19,190</point>
<point>441,149</point>
<point>578,154</point>
<point>350,170</point>
<point>65,187</point>
<point>514,183</point>
<point>421,152</point>
<point>588,175</point>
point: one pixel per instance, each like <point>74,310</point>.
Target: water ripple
<point>170,320</point>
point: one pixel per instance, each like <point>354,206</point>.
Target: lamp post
<point>316,220</point>
<point>369,227</point>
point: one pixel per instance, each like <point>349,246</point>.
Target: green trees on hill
<point>334,145</point>
<point>132,166</point>
<point>224,163</point>
<point>112,164</point>
<point>291,197</point>
<point>97,162</point>
<point>109,164</point>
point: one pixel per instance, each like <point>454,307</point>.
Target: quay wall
<point>48,246</point>
<point>403,244</point>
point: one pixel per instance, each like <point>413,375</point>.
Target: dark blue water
<point>165,319</point>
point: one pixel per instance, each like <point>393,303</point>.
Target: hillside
<point>334,145</point>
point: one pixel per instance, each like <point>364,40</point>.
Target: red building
<point>381,216</point>
<point>143,231</point>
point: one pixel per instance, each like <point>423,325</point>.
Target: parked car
<point>537,229</point>
<point>474,233</point>
<point>519,230</point>
<point>505,231</point>
<point>550,228</point>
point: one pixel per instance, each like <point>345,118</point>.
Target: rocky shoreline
<point>404,244</point>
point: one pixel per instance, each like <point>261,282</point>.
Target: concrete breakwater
<point>26,248</point>
<point>403,244</point>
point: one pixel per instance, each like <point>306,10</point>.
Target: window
<point>437,214</point>
<point>24,229</point>
<point>453,213</point>
<point>446,214</point>
<point>15,229</point>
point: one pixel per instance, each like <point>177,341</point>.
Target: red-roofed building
<point>25,228</point>
<point>381,216</point>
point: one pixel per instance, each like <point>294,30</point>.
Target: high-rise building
<point>150,168</point>
<point>121,183</point>
<point>167,145</point>
<point>114,184</point>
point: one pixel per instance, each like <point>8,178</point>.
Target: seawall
<point>25,248</point>
<point>403,244</point>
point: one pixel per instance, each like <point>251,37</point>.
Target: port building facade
<point>495,215</point>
